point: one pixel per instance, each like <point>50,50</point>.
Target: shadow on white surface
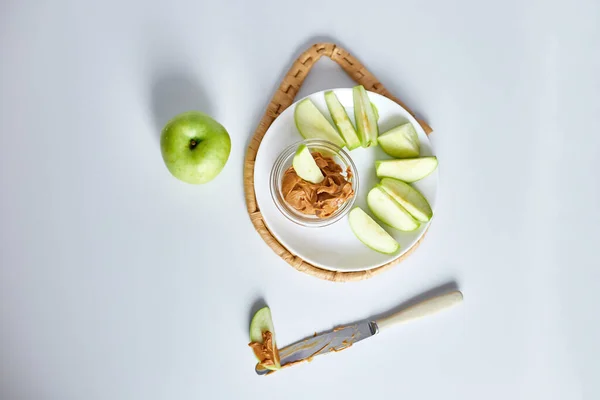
<point>173,93</point>
<point>256,305</point>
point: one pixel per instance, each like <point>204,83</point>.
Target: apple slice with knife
<point>261,324</point>
<point>345,336</point>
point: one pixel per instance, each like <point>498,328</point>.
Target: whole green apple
<point>195,147</point>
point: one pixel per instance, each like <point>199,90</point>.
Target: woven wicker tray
<point>282,99</point>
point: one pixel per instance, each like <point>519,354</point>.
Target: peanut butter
<point>266,352</point>
<point>320,199</point>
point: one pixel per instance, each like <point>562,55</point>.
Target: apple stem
<point>193,143</point>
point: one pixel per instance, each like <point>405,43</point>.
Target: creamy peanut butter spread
<point>266,352</point>
<point>320,199</point>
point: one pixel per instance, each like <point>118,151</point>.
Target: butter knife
<point>345,336</point>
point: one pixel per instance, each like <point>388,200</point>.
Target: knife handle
<point>422,309</point>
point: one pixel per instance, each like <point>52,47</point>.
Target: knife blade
<point>335,340</point>
<point>345,336</point>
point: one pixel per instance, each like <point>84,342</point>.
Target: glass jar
<point>284,161</point>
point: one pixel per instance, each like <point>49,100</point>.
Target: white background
<point>119,282</point>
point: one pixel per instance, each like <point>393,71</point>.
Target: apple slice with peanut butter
<point>262,339</point>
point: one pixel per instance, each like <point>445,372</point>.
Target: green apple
<point>389,211</point>
<point>305,166</point>
<point>262,322</point>
<point>341,120</point>
<point>407,170</point>
<point>364,116</point>
<point>313,125</point>
<point>375,111</point>
<point>400,142</point>
<point>408,197</point>
<point>195,147</point>
<point>370,233</point>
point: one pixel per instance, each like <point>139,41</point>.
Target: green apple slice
<point>408,197</point>
<point>313,125</point>
<point>389,211</point>
<point>370,233</point>
<point>375,111</point>
<point>364,116</point>
<point>305,166</point>
<point>341,120</point>
<point>407,170</point>
<point>262,322</point>
<point>400,142</point>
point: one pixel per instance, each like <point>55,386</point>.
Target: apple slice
<point>389,211</point>
<point>305,166</point>
<point>341,120</point>
<point>370,233</point>
<point>364,116</point>
<point>262,322</point>
<point>408,197</point>
<point>400,142</point>
<point>408,169</point>
<point>375,111</point>
<point>313,125</point>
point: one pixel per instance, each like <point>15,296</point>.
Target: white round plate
<point>335,247</point>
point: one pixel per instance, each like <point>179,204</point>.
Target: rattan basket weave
<point>282,99</point>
